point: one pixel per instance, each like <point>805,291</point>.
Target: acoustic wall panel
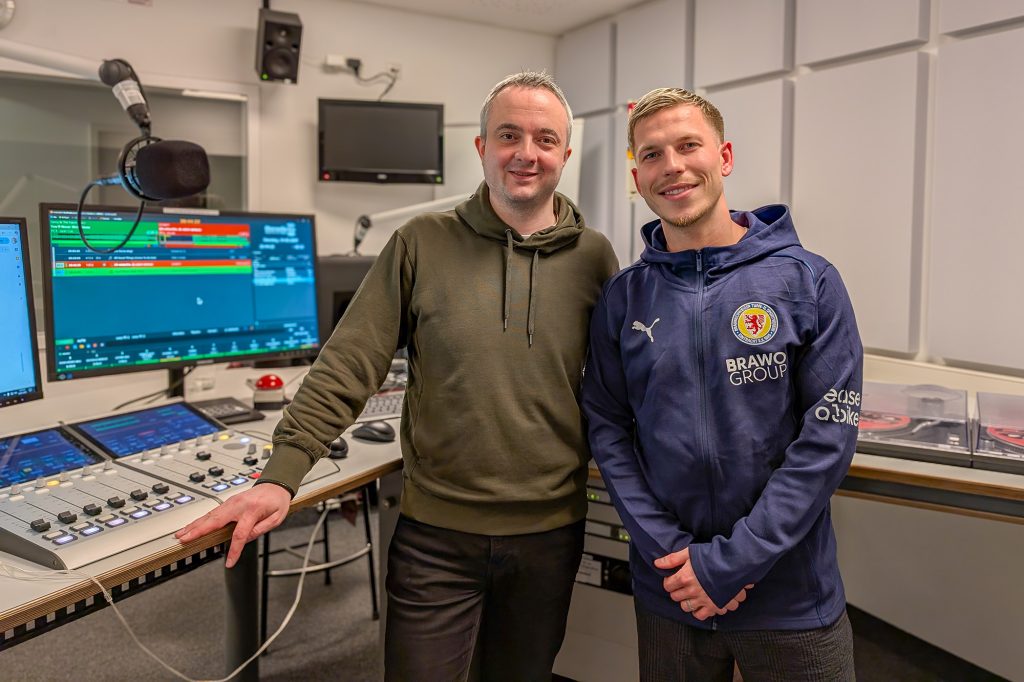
<point>854,160</point>
<point>958,15</point>
<point>584,67</point>
<point>977,233</point>
<point>754,123</point>
<point>650,48</point>
<point>828,29</point>
<point>762,30</point>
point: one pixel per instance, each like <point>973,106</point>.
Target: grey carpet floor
<point>331,637</point>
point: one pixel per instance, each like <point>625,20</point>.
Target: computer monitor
<point>339,279</point>
<point>19,355</point>
<point>191,287</point>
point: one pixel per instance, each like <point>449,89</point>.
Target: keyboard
<point>227,410</point>
<point>383,405</point>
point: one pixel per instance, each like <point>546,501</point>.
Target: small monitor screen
<point>366,141</point>
<point>189,287</point>
<point>19,357</point>
<point>127,434</point>
<point>29,456</point>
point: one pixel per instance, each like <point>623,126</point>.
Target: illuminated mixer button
<point>220,487</point>
<point>141,513</point>
<point>91,530</point>
<point>113,523</point>
<point>184,499</point>
<point>249,459</point>
<point>160,488</point>
<point>64,539</point>
<point>115,502</point>
<point>162,506</point>
<point>52,483</point>
<point>67,517</point>
<point>267,449</point>
<point>39,525</point>
<point>139,495</point>
<point>92,509</point>
<point>203,455</point>
<point>239,481</point>
<point>216,471</point>
<point>197,477</point>
<point>254,474</point>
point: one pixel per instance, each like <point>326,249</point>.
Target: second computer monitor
<point>19,357</point>
<point>190,287</point>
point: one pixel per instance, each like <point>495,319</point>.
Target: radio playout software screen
<point>19,368</point>
<point>188,287</point>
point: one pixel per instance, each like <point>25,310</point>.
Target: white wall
<point>889,126</point>
<point>212,45</point>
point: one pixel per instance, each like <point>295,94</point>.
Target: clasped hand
<point>685,589</point>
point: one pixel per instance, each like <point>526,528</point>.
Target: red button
<point>254,474</point>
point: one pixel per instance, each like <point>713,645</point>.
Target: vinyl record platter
<point>922,422</point>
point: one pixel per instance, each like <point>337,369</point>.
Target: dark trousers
<point>463,606</point>
<point>674,652</point>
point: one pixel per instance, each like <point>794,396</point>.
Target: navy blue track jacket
<point>722,396</point>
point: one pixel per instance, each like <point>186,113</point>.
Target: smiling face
<point>525,149</point>
<point>680,165</point>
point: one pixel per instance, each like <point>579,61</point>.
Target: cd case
<point>1000,438</point>
<point>922,422</point>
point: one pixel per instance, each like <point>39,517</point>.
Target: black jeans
<point>463,606</point>
<point>671,651</point>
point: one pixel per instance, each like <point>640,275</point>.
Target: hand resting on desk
<point>254,512</point>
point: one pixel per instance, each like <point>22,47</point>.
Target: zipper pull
<point>700,262</point>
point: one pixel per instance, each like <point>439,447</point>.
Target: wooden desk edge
<point>82,590</point>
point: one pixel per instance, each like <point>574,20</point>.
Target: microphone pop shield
<point>170,169</point>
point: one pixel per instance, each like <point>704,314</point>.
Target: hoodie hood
<point>477,212</point>
<point>769,230</point>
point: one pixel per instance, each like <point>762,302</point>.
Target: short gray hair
<point>525,79</point>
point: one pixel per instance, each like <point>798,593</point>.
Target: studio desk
<point>30,608</point>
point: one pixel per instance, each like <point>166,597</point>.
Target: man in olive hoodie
<point>493,302</point>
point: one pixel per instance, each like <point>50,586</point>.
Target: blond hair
<point>665,98</point>
<point>530,80</point>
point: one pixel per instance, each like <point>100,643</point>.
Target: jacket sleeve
<point>653,530</point>
<point>828,383</point>
<point>350,368</point>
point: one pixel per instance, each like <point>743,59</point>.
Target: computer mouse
<point>339,448</point>
<point>377,432</point>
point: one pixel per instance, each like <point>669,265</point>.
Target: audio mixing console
<point>64,506</point>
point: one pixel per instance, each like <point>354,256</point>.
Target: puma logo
<point>641,327</point>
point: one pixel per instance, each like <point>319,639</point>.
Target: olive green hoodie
<point>496,327</point>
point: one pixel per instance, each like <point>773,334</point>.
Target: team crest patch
<point>754,323</point>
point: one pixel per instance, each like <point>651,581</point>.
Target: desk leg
<point>390,496</point>
<point>243,632</point>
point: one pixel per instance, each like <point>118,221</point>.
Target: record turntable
<point>921,422</point>
<point>1000,438</point>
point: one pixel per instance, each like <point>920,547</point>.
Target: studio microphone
<point>152,169</point>
<point>119,75</point>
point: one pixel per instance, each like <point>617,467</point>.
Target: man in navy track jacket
<point>722,396</point>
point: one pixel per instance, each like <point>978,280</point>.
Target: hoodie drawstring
<point>508,276</point>
<point>534,269</point>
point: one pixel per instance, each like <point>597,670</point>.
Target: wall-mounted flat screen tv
<point>384,142</point>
